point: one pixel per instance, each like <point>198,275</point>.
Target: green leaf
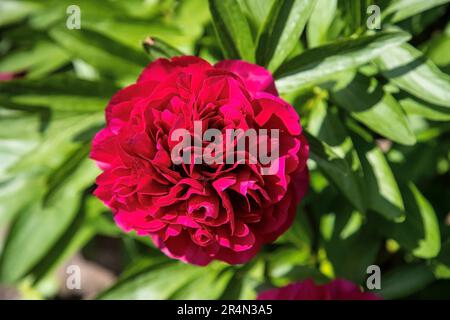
<point>337,169</point>
<point>14,196</point>
<point>170,279</point>
<point>62,136</point>
<point>320,21</point>
<point>38,228</point>
<point>385,195</point>
<point>189,26</point>
<point>284,263</point>
<point>45,146</point>
<point>382,189</point>
<point>61,92</point>
<point>256,10</point>
<point>321,152</point>
<point>111,58</point>
<point>350,244</point>
<point>408,69</point>
<point>81,230</point>
<point>318,64</point>
<point>353,12</point>
<point>44,58</point>
<point>441,266</point>
<point>281,31</point>
<point>19,134</point>
<point>437,50</point>
<point>232,29</point>
<point>416,106</point>
<point>131,33</point>
<point>365,99</point>
<point>157,48</point>
<point>210,285</point>
<point>59,176</point>
<point>441,271</point>
<point>405,280</point>
<point>379,190</point>
<point>14,11</point>
<point>399,10</point>
<point>419,233</point>
<point>234,288</point>
<point>300,233</point>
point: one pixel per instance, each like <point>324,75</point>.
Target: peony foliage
<point>368,94</point>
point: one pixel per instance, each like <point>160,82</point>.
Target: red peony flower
<point>337,289</point>
<point>199,212</point>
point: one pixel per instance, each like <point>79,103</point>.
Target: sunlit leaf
<point>405,280</point>
<point>408,69</point>
<point>233,30</point>
<point>419,233</point>
<point>319,63</point>
<point>281,30</point>
<point>170,279</point>
<point>401,9</point>
<point>320,21</point>
<point>365,99</point>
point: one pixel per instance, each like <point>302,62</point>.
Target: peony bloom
<point>337,289</point>
<point>199,212</point>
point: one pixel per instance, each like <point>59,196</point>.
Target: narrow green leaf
<point>336,168</point>
<point>320,21</point>
<point>352,12</point>
<point>281,31</point>
<point>385,195</point>
<point>40,146</point>
<point>194,27</point>
<point>350,245</point>
<point>108,56</point>
<point>442,263</point>
<point>64,134</point>
<point>256,10</point>
<point>317,64</point>
<point>383,192</point>
<point>233,30</point>
<point>169,279</point>
<point>399,10</point>
<point>419,233</point>
<point>416,106</point>
<point>74,238</point>
<point>14,11</point>
<point>61,92</point>
<point>19,134</point>
<point>437,51</point>
<point>405,280</point>
<point>284,261</point>
<point>300,233</point>
<point>322,152</point>
<point>14,195</point>
<point>408,69</point>
<point>211,285</point>
<point>365,99</point>
<point>44,58</point>
<point>131,32</point>
<point>59,176</point>
<point>38,228</point>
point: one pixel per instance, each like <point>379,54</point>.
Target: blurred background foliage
<point>375,105</point>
